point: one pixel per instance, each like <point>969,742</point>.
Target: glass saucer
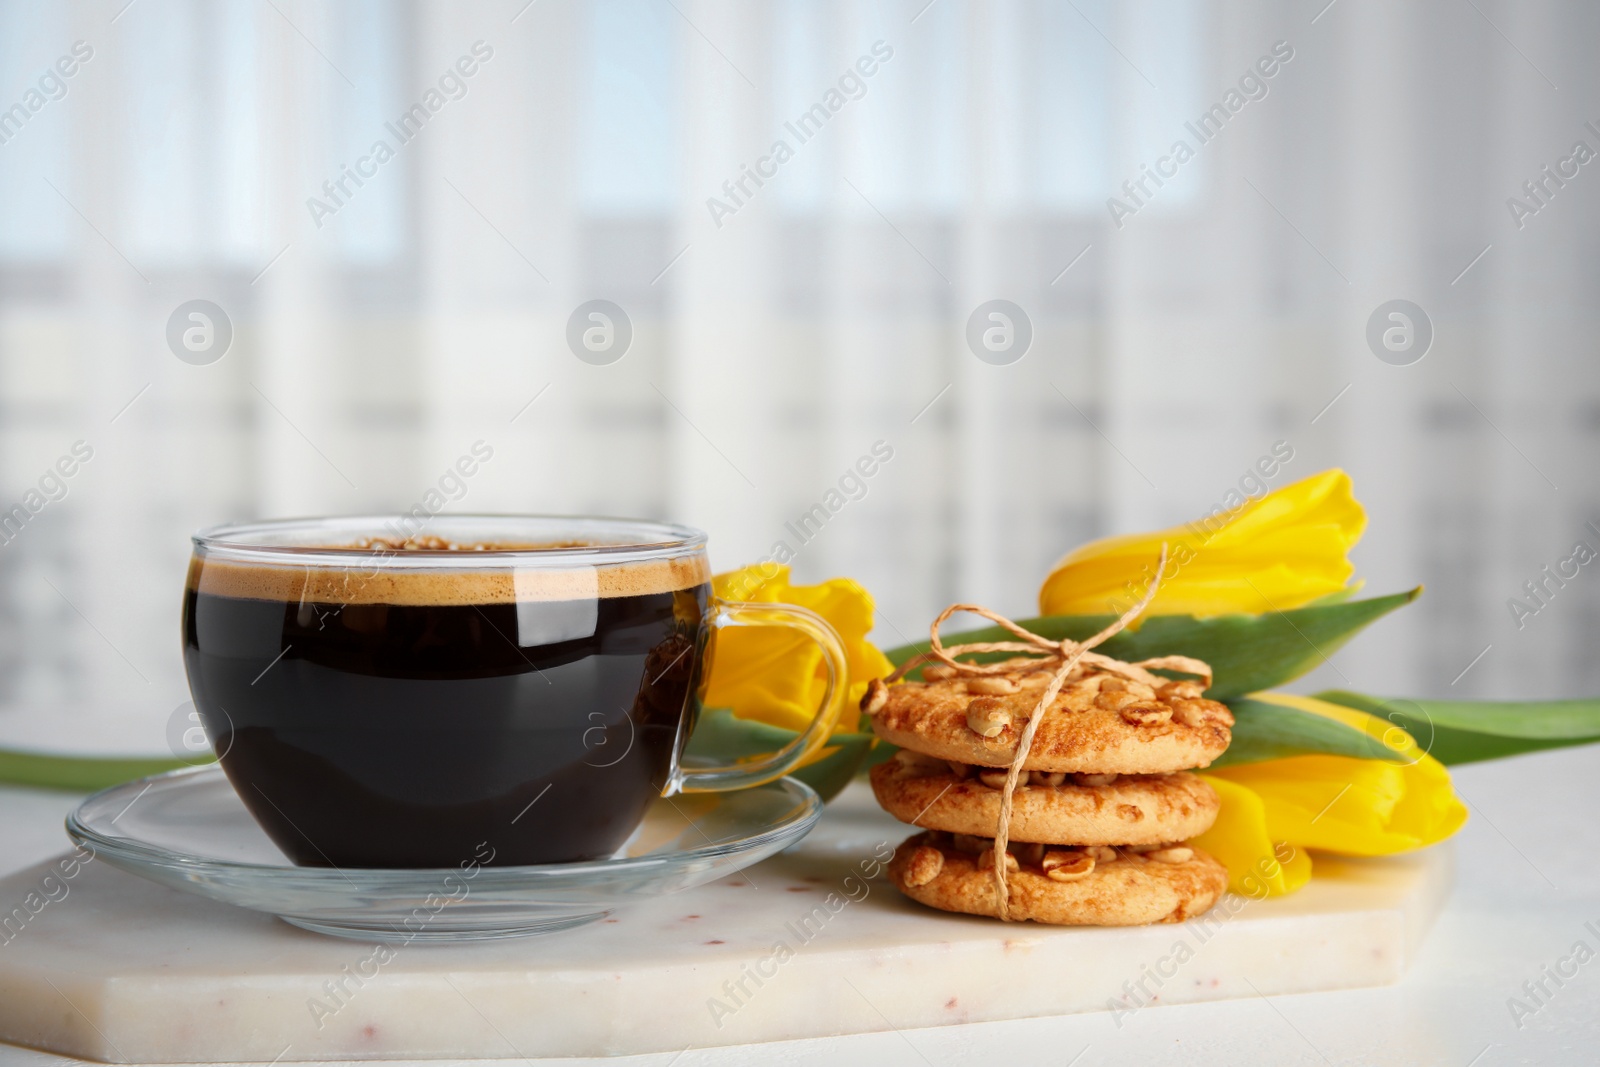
<point>189,830</point>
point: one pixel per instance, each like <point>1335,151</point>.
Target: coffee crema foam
<point>388,580</point>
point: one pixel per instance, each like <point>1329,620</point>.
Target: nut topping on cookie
<point>1192,712</point>
<point>1067,866</point>
<point>917,763</point>
<point>1135,689</point>
<point>1176,854</point>
<point>987,717</point>
<point>993,778</point>
<point>1093,779</point>
<point>1145,713</point>
<point>986,861</point>
<point>876,696</point>
<point>925,864</point>
<point>993,685</point>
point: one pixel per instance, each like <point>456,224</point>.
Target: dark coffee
<point>381,717</point>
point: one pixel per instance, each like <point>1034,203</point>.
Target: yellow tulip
<point>1257,865</point>
<point>776,676</point>
<point>1282,551</point>
<point>1279,552</point>
<point>1354,807</point>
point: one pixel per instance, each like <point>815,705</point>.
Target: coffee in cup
<point>529,683</point>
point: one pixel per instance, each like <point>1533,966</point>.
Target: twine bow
<point>1066,655</point>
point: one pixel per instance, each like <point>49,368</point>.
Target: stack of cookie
<point>1102,805</point>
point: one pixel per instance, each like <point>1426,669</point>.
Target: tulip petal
<point>1257,865</point>
<point>776,676</point>
<point>1351,806</point>
<point>1284,550</point>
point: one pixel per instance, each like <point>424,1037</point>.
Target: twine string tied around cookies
<point>1064,656</point>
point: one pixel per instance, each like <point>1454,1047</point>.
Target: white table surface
<point>1528,880</point>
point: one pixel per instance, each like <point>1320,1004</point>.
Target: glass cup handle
<point>779,763</point>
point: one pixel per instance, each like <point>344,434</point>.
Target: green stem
<point>79,774</point>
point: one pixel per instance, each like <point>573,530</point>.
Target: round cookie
<point>1136,810</point>
<point>1129,890</point>
<point>1098,724</point>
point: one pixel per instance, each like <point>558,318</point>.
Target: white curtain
<point>776,344</point>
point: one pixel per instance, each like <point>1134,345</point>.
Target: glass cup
<point>381,697</point>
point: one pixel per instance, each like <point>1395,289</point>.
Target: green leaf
<point>722,737</point>
<point>1466,731</point>
<point>1263,731</point>
<point>880,753</point>
<point>80,774</point>
<point>1248,653</point>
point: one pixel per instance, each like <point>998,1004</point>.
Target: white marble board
<point>124,970</point>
